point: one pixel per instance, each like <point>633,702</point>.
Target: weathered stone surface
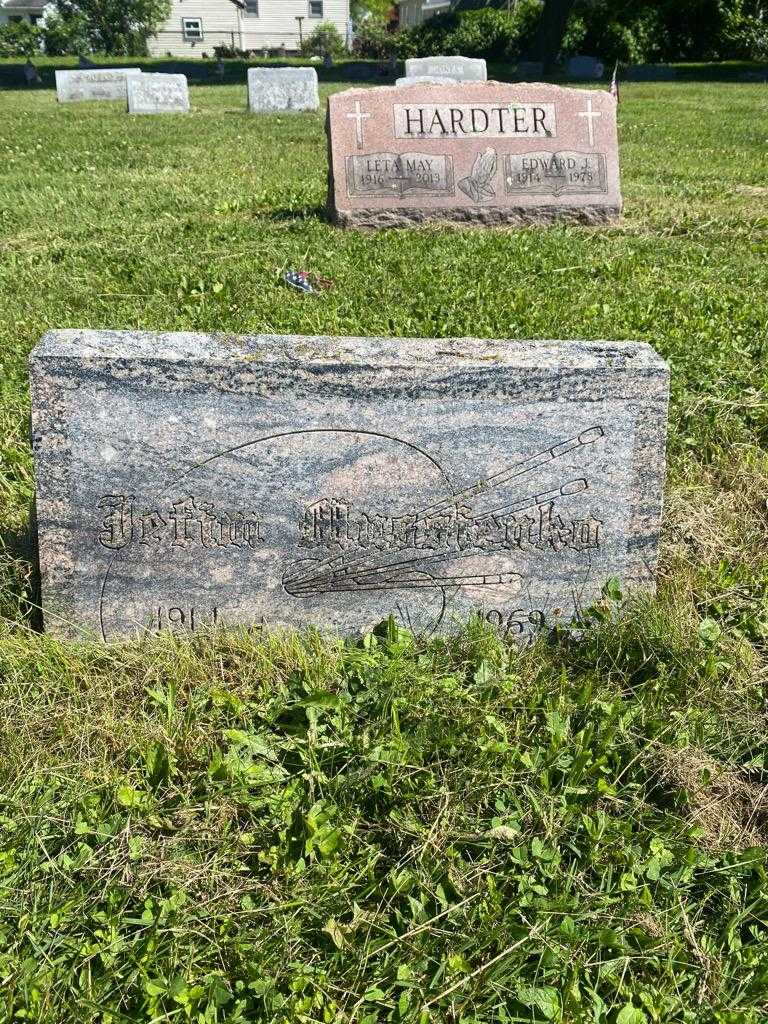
<point>158,94</point>
<point>281,90</point>
<point>483,153</point>
<point>461,69</point>
<point>426,80</point>
<point>93,84</point>
<point>184,480</point>
<point>588,68</point>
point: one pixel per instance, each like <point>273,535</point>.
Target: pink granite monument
<point>484,153</point>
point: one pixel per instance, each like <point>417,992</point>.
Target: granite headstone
<point>188,481</point>
<point>93,84</point>
<point>476,153</point>
<point>282,90</point>
<point>587,68</point>
<point>458,69</point>
<point>158,94</point>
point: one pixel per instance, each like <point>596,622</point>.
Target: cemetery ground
<point>247,827</point>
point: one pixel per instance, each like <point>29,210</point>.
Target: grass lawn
<point>292,828</point>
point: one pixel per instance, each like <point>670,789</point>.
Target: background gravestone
<point>93,84</point>
<point>476,153</point>
<point>158,94</point>
<point>586,68</point>
<point>459,69</point>
<point>191,480</point>
<point>276,90</point>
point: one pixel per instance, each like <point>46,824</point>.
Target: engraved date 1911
<point>189,618</point>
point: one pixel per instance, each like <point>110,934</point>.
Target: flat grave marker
<point>186,481</point>
<point>282,90</point>
<point>476,153</point>
<point>158,94</point>
<point>93,84</point>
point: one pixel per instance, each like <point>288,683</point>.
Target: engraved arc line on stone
<point>536,461</point>
<point>318,430</point>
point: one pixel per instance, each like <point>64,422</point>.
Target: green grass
<point>281,828</point>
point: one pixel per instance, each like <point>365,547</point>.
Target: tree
<point>551,31</point>
<point>119,27</point>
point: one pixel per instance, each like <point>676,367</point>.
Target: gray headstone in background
<point>93,84</point>
<point>426,80</point>
<point>158,94</point>
<point>651,73</point>
<point>460,69</point>
<point>585,68</point>
<point>276,90</point>
<point>187,480</point>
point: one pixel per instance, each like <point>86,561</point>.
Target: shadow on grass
<point>20,575</point>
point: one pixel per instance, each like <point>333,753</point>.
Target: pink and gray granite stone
<point>185,481</point>
<point>484,153</point>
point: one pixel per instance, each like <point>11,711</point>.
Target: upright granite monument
<point>93,84</point>
<point>188,481</point>
<point>476,153</point>
<point>454,69</point>
<point>158,94</point>
<point>282,90</point>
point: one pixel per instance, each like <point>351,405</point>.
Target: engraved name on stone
<point>461,120</point>
<point>390,173</point>
<point>186,481</point>
<point>555,173</point>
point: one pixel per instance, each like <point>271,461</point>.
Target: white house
<point>22,10</point>
<point>413,12</point>
<point>197,26</point>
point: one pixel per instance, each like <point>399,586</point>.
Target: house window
<point>252,8</point>
<point>192,29</point>
<point>315,8</point>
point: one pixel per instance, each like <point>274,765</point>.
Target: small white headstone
<point>158,94</point>
<point>93,84</point>
<point>281,90</point>
<point>459,69</point>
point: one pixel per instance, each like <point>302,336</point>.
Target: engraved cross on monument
<point>359,117</point>
<point>590,115</point>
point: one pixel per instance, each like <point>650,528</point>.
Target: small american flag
<point>298,279</point>
<point>614,87</point>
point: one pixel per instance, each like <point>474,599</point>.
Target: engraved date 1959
<point>519,622</point>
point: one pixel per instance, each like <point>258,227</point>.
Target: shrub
<point>487,32</point>
<point>325,40</point>
<point>20,39</point>
<point>374,39</point>
<point>65,35</point>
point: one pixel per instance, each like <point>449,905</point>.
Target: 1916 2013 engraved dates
<point>387,174</point>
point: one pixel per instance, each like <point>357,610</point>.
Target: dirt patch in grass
<point>731,810</point>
